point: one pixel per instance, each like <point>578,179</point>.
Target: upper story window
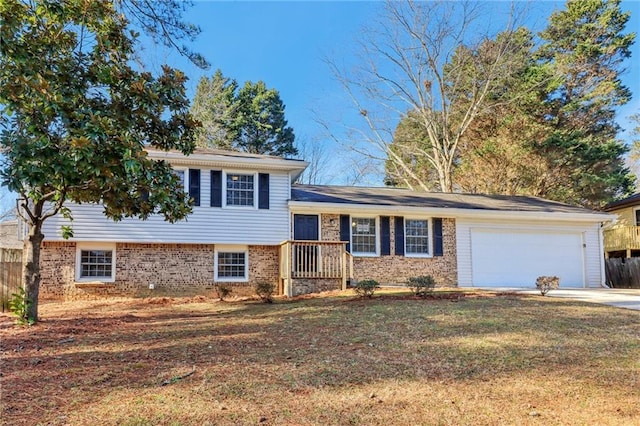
<point>417,237</point>
<point>363,235</point>
<point>240,189</point>
<point>183,176</point>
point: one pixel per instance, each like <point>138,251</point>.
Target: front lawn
<point>484,359</point>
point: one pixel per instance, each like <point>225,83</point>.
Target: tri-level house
<point>252,223</point>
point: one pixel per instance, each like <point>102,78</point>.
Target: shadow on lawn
<point>308,344</point>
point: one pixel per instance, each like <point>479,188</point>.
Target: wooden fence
<point>10,275</point>
<point>623,272</point>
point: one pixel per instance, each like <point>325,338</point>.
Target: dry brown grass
<point>321,361</point>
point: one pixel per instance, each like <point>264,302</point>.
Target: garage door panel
<point>515,259</point>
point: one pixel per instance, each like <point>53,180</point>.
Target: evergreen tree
<point>249,119</point>
<point>585,46</point>
<point>216,107</point>
<point>262,128</point>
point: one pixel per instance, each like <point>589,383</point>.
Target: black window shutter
<point>263,190</point>
<point>399,226</point>
<point>437,237</point>
<point>216,188</point>
<point>385,236</point>
<point>345,230</point>
<point>194,186</point>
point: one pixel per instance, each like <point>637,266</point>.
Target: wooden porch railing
<point>622,238</point>
<point>314,259</point>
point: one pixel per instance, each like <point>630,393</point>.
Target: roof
<point>209,157</point>
<point>633,200</point>
<point>439,200</point>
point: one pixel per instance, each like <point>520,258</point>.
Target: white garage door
<point>515,259</point>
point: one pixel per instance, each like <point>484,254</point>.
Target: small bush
<point>544,284</point>
<point>265,291</point>
<point>366,288</point>
<point>422,285</point>
<point>19,305</point>
<point>223,291</point>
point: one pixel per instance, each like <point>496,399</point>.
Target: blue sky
<point>285,44</point>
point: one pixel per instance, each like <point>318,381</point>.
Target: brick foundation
<point>315,285</point>
<point>173,269</point>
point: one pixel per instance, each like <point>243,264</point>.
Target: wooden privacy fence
<point>623,273</point>
<point>10,275</point>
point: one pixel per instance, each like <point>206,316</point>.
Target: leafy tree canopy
<point>76,119</point>
<point>547,127</point>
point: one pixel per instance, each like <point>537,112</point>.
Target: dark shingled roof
<point>633,200</point>
<point>407,198</point>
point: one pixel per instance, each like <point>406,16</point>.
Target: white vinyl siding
<point>205,225</point>
<point>569,234</point>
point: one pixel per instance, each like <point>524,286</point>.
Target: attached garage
<point>515,258</point>
<point>512,252</point>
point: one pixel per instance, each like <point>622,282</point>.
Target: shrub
<point>265,291</point>
<point>19,306</point>
<point>422,285</point>
<point>544,284</point>
<point>366,288</point>
<point>223,291</point>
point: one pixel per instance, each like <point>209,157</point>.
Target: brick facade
<point>394,269</point>
<point>173,269</point>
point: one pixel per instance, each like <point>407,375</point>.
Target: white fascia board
<point>454,213</point>
<point>296,167</point>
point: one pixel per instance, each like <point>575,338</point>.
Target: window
<point>363,235</point>
<point>183,176</point>
<point>416,237</point>
<point>95,263</point>
<point>231,265</point>
<point>637,214</point>
<point>240,190</point>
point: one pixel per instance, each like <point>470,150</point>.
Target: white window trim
<point>224,189</point>
<point>377,229</point>
<point>95,246</point>
<point>635,212</point>
<point>231,249</point>
<point>429,237</point>
<point>186,177</point>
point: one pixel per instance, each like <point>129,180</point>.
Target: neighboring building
<point>622,238</point>
<point>9,235</point>
<point>251,224</point>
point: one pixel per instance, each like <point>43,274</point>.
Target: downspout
<point>603,275</point>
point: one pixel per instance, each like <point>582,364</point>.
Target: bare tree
<point>316,154</point>
<point>424,58</point>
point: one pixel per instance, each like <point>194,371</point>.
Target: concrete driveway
<point>618,297</point>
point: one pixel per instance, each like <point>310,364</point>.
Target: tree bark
<point>31,269</point>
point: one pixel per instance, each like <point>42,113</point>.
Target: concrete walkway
<point>618,297</point>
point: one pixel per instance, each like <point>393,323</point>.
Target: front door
<point>305,256</point>
<point>305,227</point>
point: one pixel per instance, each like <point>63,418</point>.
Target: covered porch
<point>313,266</point>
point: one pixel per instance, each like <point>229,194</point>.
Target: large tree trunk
<point>31,269</point>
